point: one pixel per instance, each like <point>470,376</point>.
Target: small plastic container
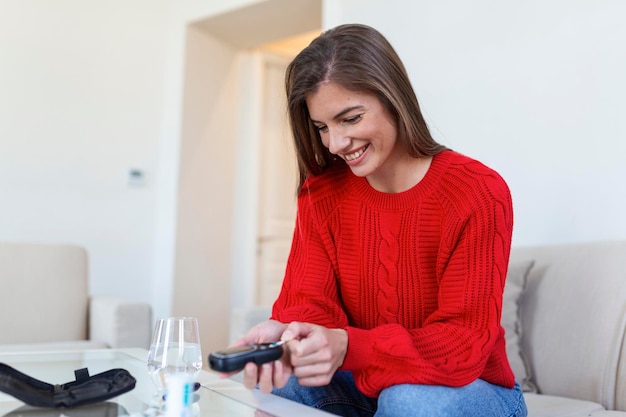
<point>179,398</point>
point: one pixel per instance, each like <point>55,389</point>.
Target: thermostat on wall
<point>136,177</point>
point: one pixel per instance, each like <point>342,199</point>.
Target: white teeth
<point>352,156</point>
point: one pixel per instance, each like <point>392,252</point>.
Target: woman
<point>392,294</point>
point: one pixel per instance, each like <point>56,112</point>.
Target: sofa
<point>572,318</point>
<point>46,303</point>
<point>564,312</point>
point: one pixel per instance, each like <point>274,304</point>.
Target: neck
<point>405,174</point>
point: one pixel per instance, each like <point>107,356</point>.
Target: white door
<point>278,180</point>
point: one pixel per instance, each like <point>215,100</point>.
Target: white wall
<point>81,95</point>
<point>90,90</point>
<point>536,89</point>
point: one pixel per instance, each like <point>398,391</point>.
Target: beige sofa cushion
<point>44,295</point>
<point>573,317</point>
<point>550,406</point>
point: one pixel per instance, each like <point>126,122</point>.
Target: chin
<point>361,171</point>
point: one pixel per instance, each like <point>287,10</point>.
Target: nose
<point>337,141</point>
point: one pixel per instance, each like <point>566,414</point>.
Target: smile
<point>355,155</point>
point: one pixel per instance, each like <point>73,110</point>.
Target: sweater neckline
<point>404,199</point>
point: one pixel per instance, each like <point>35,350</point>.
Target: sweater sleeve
<point>309,291</point>
<point>455,343</point>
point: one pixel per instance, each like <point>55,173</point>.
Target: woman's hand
<point>315,352</point>
<point>268,331</point>
<point>269,375</point>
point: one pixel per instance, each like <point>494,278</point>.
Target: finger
<point>281,374</point>
<point>315,381</point>
<point>296,330</point>
<point>266,379</point>
<point>303,349</point>
<point>315,370</point>
<point>250,375</point>
<point>308,351</point>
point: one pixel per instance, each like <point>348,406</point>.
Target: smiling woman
<point>357,128</point>
<point>393,287</point>
<point>364,63</point>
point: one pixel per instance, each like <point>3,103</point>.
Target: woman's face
<point>357,128</point>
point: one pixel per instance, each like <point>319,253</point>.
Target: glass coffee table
<point>216,396</point>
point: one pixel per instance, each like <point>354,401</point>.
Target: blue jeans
<point>341,397</point>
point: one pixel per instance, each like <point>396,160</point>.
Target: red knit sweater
<point>416,278</point>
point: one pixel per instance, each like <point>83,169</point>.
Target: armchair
<point>46,304</point>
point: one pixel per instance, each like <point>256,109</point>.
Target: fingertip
<point>250,367</point>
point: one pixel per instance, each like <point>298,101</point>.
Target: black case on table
<point>85,390</point>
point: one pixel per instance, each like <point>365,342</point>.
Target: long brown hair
<point>358,58</point>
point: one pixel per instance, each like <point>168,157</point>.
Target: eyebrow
<point>342,112</point>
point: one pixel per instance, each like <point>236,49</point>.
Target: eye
<point>353,119</point>
<point>321,128</point>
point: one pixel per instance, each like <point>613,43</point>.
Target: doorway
<point>234,201</point>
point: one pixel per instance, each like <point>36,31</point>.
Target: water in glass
<point>175,349</point>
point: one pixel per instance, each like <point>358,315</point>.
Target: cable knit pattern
<point>388,255</point>
<point>416,278</point>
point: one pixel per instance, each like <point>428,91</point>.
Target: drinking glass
<point>175,349</point>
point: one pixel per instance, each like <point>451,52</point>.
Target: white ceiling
<point>265,22</point>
